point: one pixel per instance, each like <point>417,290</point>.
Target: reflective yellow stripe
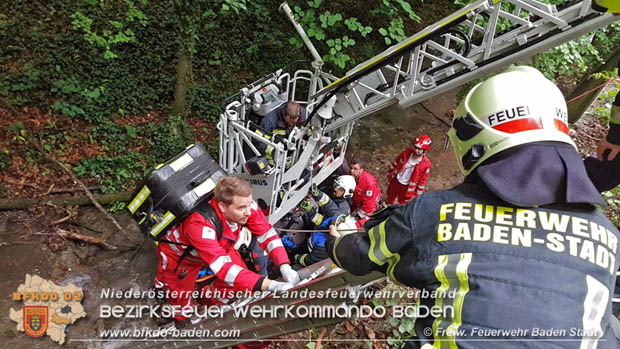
<point>445,284</point>
<point>269,152</point>
<point>139,199</point>
<point>459,299</point>
<point>451,272</point>
<point>168,217</point>
<point>319,220</point>
<point>324,200</point>
<point>302,260</point>
<point>379,253</point>
<point>335,251</point>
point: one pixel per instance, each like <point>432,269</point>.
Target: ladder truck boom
<point>460,48</point>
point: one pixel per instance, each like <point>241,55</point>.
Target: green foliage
<point>113,32</point>
<point>18,132</point>
<point>326,26</point>
<point>607,96</point>
<point>5,159</point>
<point>353,25</point>
<point>576,57</point>
<point>57,57</point>
<point>235,5</point>
<point>169,139</point>
<point>402,329</point>
<point>567,59</point>
<point>113,173</point>
<point>118,206</point>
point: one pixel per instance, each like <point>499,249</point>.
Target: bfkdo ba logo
<point>35,320</point>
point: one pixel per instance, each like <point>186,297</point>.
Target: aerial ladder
<point>460,48</point>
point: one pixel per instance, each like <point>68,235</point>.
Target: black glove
<point>379,216</point>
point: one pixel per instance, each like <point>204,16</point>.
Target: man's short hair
<point>292,109</point>
<point>358,162</point>
<point>228,187</point>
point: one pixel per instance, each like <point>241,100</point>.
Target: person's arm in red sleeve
<point>372,195</point>
<point>203,237</point>
<point>423,178</point>
<point>268,238</point>
<point>395,167</point>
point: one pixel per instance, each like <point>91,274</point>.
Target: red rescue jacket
<point>366,196</point>
<point>419,176</point>
<point>200,233</point>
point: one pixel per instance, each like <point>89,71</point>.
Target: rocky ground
<point>35,240</point>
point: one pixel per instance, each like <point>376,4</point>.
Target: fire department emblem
<point>35,320</point>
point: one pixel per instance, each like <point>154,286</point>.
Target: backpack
<point>174,190</point>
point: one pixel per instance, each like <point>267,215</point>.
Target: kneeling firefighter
<point>212,235</point>
<point>520,245</point>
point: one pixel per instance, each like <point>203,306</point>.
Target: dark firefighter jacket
<point>494,266</point>
<point>273,123</point>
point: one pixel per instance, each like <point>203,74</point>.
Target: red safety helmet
<point>423,141</point>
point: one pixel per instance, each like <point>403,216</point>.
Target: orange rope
<point>594,89</point>
<point>205,278</point>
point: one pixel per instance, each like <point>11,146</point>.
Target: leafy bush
<point>5,159</point>
<point>167,139</point>
<point>113,173</point>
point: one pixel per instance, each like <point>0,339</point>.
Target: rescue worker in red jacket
<point>409,172</point>
<point>200,242</point>
<point>367,193</point>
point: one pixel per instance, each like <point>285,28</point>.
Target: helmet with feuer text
<point>519,106</point>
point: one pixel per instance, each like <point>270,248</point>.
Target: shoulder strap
<point>208,212</point>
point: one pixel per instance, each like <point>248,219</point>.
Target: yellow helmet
<point>612,6</point>
<point>516,107</point>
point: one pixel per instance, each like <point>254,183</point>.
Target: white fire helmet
<point>516,107</point>
<point>347,184</point>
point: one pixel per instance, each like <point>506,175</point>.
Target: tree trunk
<point>579,106</point>
<point>22,203</point>
<point>184,80</point>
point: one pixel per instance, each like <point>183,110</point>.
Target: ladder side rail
<point>299,75</point>
<point>222,128</point>
<point>500,62</point>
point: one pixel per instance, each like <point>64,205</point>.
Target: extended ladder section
<point>483,37</point>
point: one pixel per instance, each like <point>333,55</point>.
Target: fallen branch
<point>72,190</point>
<point>17,243</point>
<point>23,203</point>
<point>85,189</point>
<point>76,181</point>
<point>20,184</point>
<point>51,190</point>
<point>56,222</point>
<point>65,234</point>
